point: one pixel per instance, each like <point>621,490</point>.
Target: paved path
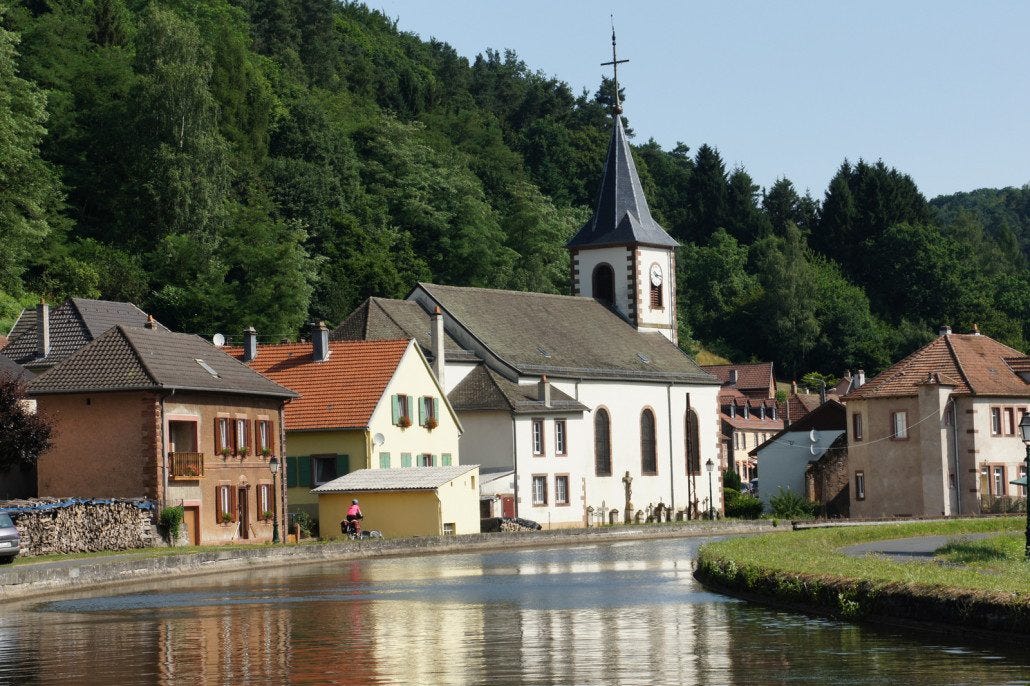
<point>914,548</point>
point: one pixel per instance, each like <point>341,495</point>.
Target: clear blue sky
<point>940,90</point>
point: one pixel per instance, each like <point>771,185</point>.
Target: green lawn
<point>993,566</point>
<point>150,552</point>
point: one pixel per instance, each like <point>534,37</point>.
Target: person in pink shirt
<point>354,516</point>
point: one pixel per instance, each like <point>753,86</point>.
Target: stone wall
<point>827,480</point>
<point>49,525</point>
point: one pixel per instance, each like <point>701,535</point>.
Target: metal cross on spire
<point>615,67</point>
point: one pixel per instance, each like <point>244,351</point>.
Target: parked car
<point>10,541</point>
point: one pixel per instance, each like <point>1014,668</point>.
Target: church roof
<point>562,336</point>
<point>383,319</point>
<point>622,215</point>
<point>485,389</point>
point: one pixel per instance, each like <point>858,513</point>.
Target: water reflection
<point>625,613</point>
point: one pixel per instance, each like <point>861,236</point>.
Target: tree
<point>707,194</point>
<point>743,217</point>
<point>24,435</point>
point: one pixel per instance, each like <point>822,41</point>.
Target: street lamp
<point>1024,429</point>
<point>273,466</point>
<point>710,466</point>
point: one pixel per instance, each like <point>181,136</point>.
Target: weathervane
<point>615,67</point>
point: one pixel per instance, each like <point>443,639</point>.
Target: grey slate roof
<point>11,369</point>
<point>125,359</point>
<point>73,324</point>
<point>622,215</point>
<point>485,389</point>
<point>406,479</point>
<point>383,319</point>
<point>564,336</point>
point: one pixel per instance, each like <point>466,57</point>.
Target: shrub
<point>789,505</point>
<point>171,520</point>
<point>741,505</point>
<point>308,524</point>
<point>730,479</point>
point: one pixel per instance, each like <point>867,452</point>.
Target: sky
<point>939,90</point>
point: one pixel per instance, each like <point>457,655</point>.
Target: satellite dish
<point>218,339</point>
<point>813,449</point>
<point>812,436</point>
<point>379,439</point>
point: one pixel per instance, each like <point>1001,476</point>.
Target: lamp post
<point>273,466</point>
<point>710,466</point>
<point>1024,429</point>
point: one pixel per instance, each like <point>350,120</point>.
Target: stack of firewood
<point>83,527</point>
<point>518,525</point>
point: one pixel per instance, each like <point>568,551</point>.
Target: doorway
<point>191,518</point>
<point>508,506</point>
<point>243,512</point>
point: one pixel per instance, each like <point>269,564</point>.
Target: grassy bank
<point>983,584</point>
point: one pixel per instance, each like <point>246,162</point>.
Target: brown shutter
<point>257,437</point>
<point>247,426</point>
<point>271,436</point>
<point>218,502</point>
<point>217,444</point>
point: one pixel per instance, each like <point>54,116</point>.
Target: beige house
<point>937,433</point>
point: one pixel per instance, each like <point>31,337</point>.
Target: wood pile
<point>82,527</point>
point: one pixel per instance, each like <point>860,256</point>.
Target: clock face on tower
<point>656,274</point>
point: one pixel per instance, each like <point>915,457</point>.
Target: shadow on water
<point>615,613</point>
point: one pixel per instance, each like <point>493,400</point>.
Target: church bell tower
<point>622,256</point>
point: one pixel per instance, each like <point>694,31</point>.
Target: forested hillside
<point>264,162</point>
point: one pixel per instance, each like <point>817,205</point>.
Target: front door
<point>191,518</point>
<point>243,515</point>
<point>508,506</point>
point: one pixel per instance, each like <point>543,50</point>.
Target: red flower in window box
<point>431,423</point>
<point>404,422</point>
<point>190,470</point>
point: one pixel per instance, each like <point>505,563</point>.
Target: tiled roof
<point>829,416</point>
<point>383,319</point>
<point>73,324</point>
<point>11,369</point>
<point>339,393</point>
<point>485,389</point>
<point>562,336</point>
<point>976,364</point>
<point>754,422</point>
<point>800,404</point>
<point>757,376</point>
<point>622,216</point>
<point>125,359</point>
<point>406,479</point>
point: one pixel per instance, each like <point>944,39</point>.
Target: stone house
<point>937,433</point>
<point>362,405</point>
<point>167,416</point>
<point>748,413</point>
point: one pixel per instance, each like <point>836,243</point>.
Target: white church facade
<point>564,397</point>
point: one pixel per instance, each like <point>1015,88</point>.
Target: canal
<point>627,613</point>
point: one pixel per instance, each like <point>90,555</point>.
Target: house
<point>585,397</point>
<point>42,337</point>
<point>362,405</point>
<point>754,381</point>
<point>748,413</point>
<point>937,433</point>
<point>784,459</point>
<point>404,502</point>
<point>167,416</point>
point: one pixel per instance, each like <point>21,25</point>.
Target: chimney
<point>733,377</point>
<point>250,349</point>
<point>822,392</point>
<point>859,379</point>
<point>976,330</point>
<point>944,330</point>
<point>794,387</point>
<point>733,408</point>
<point>747,409</point>
<point>847,374</point>
<point>42,329</point>
<point>319,341</point>
<point>150,324</point>
<point>437,338</point>
<point>543,391</point>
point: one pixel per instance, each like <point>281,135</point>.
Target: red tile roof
<point>339,393</point>
<point>749,376</point>
<point>975,364</point>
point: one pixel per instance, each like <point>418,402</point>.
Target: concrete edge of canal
<point>75,574</point>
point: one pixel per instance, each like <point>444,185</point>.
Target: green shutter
<point>405,459</point>
<point>291,471</point>
<point>411,406</point>
<point>445,460</point>
<point>384,460</point>
<point>395,401</point>
<point>304,471</point>
<point>422,411</point>
<point>342,465</point>
<point>436,409</point>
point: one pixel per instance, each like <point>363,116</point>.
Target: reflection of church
<point>561,396</point>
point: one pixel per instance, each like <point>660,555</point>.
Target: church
<point>580,409</point>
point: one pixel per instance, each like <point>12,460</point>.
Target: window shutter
<point>256,437</point>
<point>395,401</point>
<point>218,499</point>
<point>436,408</point>
<point>247,432</point>
<point>342,465</point>
<point>384,460</point>
<point>422,411</point>
<point>411,405</point>
<point>304,471</point>
<point>291,472</point>
<point>445,460</point>
<point>218,440</point>
<point>233,505</point>
<point>405,459</point>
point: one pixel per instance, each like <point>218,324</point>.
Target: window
<point>693,443</point>
<point>559,437</point>
<point>859,485</point>
<point>899,422</point>
<point>323,469</point>
<point>648,455</point>
<point>656,297</point>
<point>1022,474</point>
<point>223,436</point>
<point>264,500</point>
<point>1010,421</point>
<point>241,437</point>
<point>445,460</point>
<point>561,490</point>
<point>428,410</point>
<point>448,528</point>
<point>538,436</point>
<point>998,480</point>
<point>602,443</point>
<point>425,460</point>
<point>603,283</point>
<point>263,436</point>
<point>405,460</point>
<point>182,436</point>
<point>224,509</point>
<point>401,408</point>
<point>539,490</point>
<point>995,420</point>
<point>856,426</point>
<point>384,460</point>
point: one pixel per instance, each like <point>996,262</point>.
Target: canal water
<point>621,613</point>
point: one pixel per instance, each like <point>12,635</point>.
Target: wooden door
<point>191,518</point>
<point>508,506</point>
<point>243,513</point>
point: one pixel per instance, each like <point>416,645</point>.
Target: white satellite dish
<point>379,439</point>
<point>218,339</point>
<point>814,449</point>
<point>812,436</point>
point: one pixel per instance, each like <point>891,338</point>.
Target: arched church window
<point>604,284</point>
<point>602,443</point>
<point>693,444</point>
<point>648,454</point>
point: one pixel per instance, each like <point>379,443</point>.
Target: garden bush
<point>741,505</point>
<point>170,520</point>
<point>730,479</point>
<point>789,505</point>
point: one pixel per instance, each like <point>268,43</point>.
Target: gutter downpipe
<point>514,461</point>
<point>283,514</point>
<point>954,447</point>
<point>164,453</point>
<point>672,473</point>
